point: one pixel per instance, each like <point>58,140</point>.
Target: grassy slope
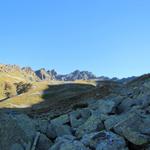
<point>36,94</point>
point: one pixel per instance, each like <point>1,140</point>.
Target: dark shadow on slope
<point>60,99</point>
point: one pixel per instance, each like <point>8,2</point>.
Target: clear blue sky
<point>107,37</point>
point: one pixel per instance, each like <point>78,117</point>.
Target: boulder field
<point>118,121</point>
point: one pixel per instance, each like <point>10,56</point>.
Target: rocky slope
<point>15,72</point>
<point>112,117</point>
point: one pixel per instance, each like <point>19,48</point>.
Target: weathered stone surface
<point>79,117</point>
<point>104,140</point>
<point>41,125</point>
<point>56,130</point>
<point>131,126</point>
<point>43,143</point>
<point>67,143</point>
<point>51,133</point>
<point>15,129</point>
<point>106,106</point>
<point>112,121</point>
<point>93,124</point>
<point>128,104</point>
<point>63,119</point>
<point>62,130</point>
<point>17,146</point>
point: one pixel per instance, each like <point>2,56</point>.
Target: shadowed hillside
<point>92,115</point>
<point>57,99</point>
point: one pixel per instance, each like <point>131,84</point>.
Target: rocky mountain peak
<point>9,68</point>
<point>42,74</point>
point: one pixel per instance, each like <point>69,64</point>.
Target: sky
<point>106,37</point>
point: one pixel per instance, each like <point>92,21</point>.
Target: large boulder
<point>16,131</point>
<point>93,124</point>
<point>67,143</point>
<point>134,126</point>
<point>78,117</point>
<point>43,143</point>
<point>41,125</point>
<point>63,119</point>
<point>104,140</point>
<point>104,106</point>
<point>17,146</point>
<point>56,130</point>
<point>58,127</point>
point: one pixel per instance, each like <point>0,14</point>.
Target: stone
<point>93,124</point>
<point>16,129</point>
<point>105,106</point>
<point>56,130</point>
<point>67,143</point>
<point>51,133</point>
<point>85,113</point>
<point>128,103</point>
<point>130,125</point>
<point>63,119</point>
<point>135,137</point>
<point>16,146</point>
<point>63,130</point>
<point>104,140</point>
<point>112,121</point>
<point>42,125</point>
<point>79,117</point>
<point>43,143</point>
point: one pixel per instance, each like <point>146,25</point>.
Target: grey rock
<point>63,119</point>
<point>112,121</point>
<point>51,133</point>
<point>104,106</point>
<point>93,124</point>
<point>62,130</point>
<point>104,140</point>
<point>56,130</point>
<point>43,143</point>
<point>67,143</point>
<point>41,125</point>
<point>128,103</point>
<point>131,126</point>
<point>79,117</point>
<point>16,146</point>
<point>15,129</point>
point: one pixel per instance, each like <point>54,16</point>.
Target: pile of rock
<point>116,122</point>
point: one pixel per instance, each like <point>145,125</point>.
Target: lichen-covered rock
<point>56,130</point>
<point>14,129</point>
<point>63,119</point>
<point>111,121</point>
<point>93,124</point>
<point>17,146</point>
<point>43,143</point>
<point>41,125</point>
<point>106,106</point>
<point>79,117</point>
<point>67,143</point>
<point>104,140</point>
<point>133,125</point>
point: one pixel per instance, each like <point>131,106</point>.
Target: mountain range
<point>51,75</point>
